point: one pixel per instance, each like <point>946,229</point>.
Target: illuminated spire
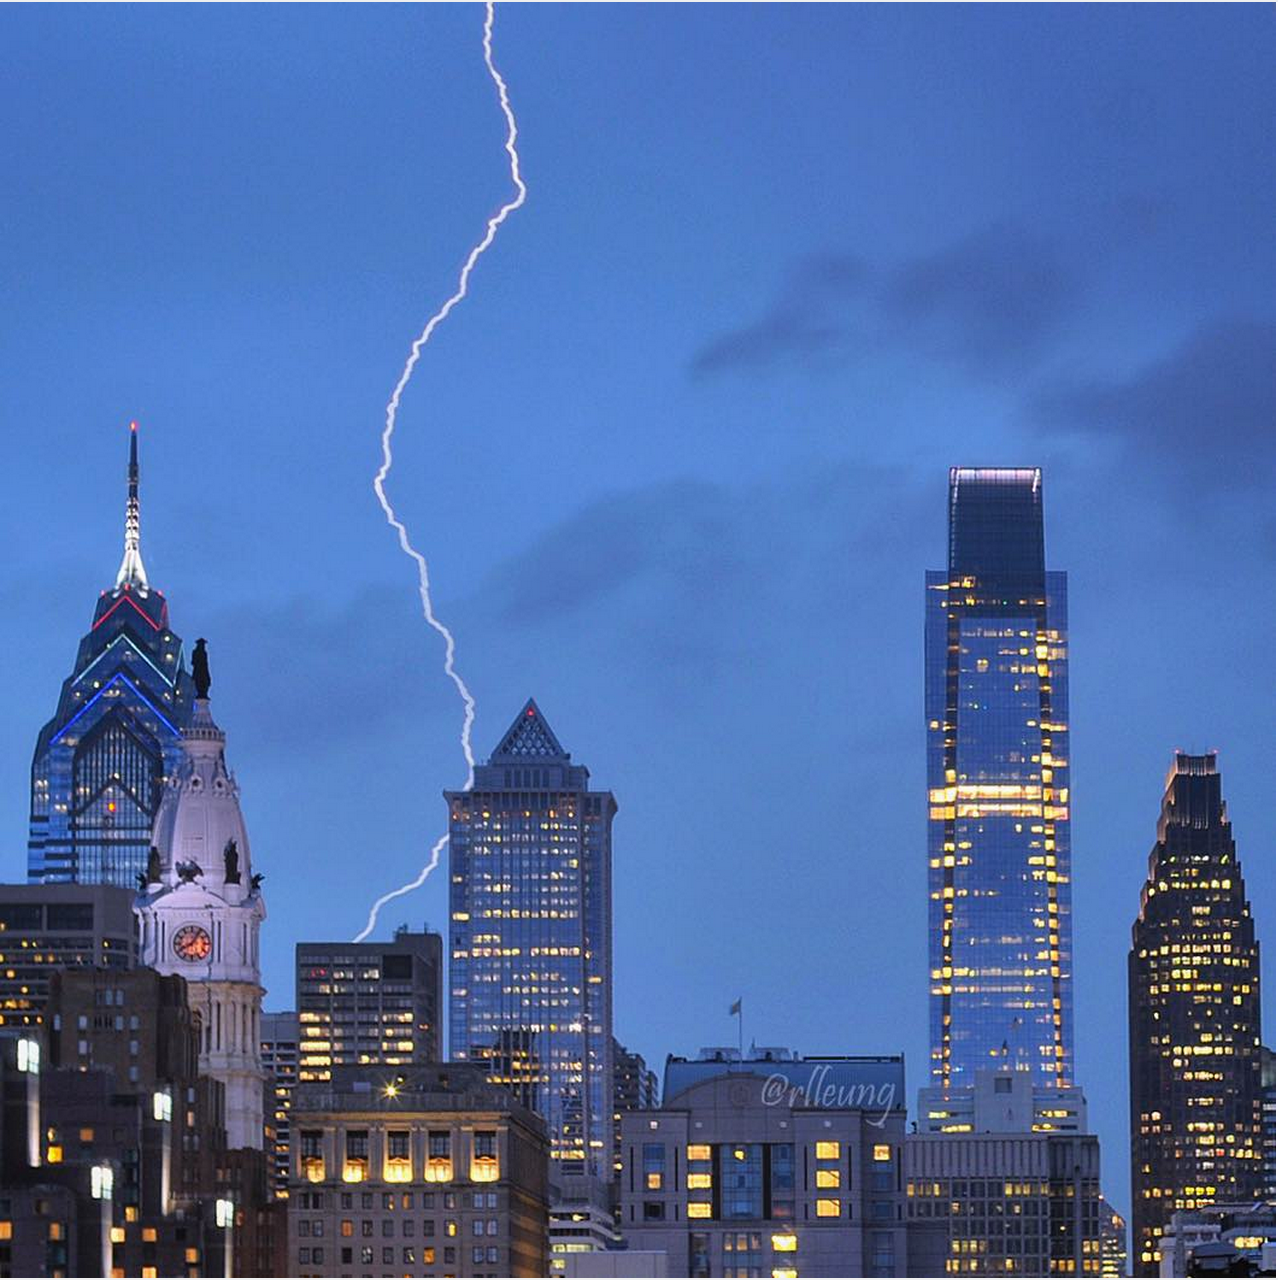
<point>132,571</point>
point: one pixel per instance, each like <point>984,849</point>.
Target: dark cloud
<point>1201,417</point>
<point>986,301</point>
<point>802,321</point>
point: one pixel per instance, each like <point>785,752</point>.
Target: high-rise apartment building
<point>100,764</point>
<point>530,888</point>
<point>368,1002</point>
<point>997,707</point>
<point>48,927</point>
<point>1194,1008</point>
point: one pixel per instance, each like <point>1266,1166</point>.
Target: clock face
<point>192,943</point>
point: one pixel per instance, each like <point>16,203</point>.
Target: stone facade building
<point>415,1171</point>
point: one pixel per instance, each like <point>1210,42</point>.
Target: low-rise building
<point>774,1165</point>
<point>415,1171</point>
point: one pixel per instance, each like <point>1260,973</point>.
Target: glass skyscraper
<point>1197,1106</point>
<point>100,763</point>
<point>530,930</point>
<point>997,707</point>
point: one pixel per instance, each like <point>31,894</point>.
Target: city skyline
<point>729,635</point>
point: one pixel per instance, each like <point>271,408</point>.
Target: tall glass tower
<point>101,762</point>
<point>530,901</point>
<point>1193,1001</point>
<point>997,706</point>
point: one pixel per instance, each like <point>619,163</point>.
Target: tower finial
<point>132,571</point>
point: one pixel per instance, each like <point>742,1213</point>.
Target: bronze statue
<point>232,856</point>
<point>255,880</point>
<point>200,669</point>
<point>152,867</point>
<point>142,881</point>
<point>187,871</point>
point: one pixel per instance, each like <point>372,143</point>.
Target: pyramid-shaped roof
<point>529,738</point>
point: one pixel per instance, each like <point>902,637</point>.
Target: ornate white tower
<point>201,909</point>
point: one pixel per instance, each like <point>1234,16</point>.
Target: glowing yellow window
<point>827,1178</point>
<point>117,1235</point>
<point>149,1273</point>
<point>148,1234</point>
<point>698,1209</point>
<point>6,1230</point>
<point>698,1151</point>
<point>827,1150</point>
<point>654,1182</point>
<point>483,1158</point>
<point>785,1242</point>
<point>193,1255</point>
<point>783,1273</point>
<point>882,1151</point>
<point>829,1208</point>
<point>698,1181</point>
<point>55,1155</point>
<point>130,1213</point>
<point>86,1135</point>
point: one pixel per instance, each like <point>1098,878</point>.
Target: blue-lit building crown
<point>997,708</point>
<point>101,762</point>
<point>530,933</point>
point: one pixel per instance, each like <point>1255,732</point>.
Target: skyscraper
<point>530,872</point>
<point>997,708</point>
<point>100,763</point>
<point>1194,1008</point>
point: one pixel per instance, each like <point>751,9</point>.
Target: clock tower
<point>200,909</point>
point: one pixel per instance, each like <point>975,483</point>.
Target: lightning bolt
<point>388,433</point>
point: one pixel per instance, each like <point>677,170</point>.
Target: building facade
<point>997,707</point>
<point>1194,1009</point>
<point>780,1165</point>
<point>279,1061</point>
<point>415,1171</point>
<point>1113,1229</point>
<point>200,912</point>
<point>101,762</point>
<point>1007,1204</point>
<point>1003,1101</point>
<point>634,1088</point>
<point>365,1002</point>
<point>1267,1181</point>
<point>115,1160</point>
<point>47,927</point>
<point>530,897</point>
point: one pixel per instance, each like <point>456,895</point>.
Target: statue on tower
<point>231,854</point>
<point>200,669</point>
<point>153,867</point>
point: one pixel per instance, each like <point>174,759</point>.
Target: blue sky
<point>679,463</point>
